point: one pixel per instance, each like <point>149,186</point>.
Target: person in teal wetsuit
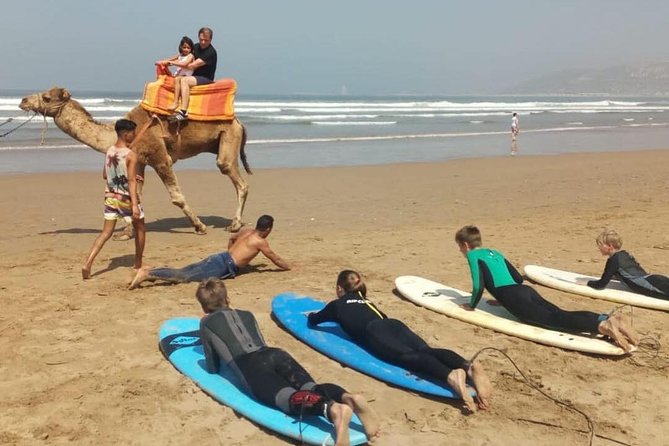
<point>491,271</point>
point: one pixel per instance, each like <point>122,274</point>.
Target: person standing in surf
<point>271,375</point>
<point>491,271</point>
<point>515,130</point>
<point>394,342</point>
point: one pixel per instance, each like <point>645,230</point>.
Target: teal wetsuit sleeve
<point>477,281</point>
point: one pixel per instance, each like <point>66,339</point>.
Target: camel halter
<point>46,124</point>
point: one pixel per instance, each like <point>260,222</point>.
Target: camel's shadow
<point>175,225</point>
<point>181,224</point>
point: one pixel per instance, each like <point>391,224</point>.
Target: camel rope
<point>17,127</point>
<point>143,129</point>
<point>649,346</point>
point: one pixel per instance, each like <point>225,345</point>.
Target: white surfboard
<point>615,291</point>
<point>446,300</point>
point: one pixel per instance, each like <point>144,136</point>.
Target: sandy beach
<point>81,362</point>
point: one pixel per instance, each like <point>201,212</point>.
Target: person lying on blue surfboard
<point>394,342</point>
<point>491,271</point>
<point>270,374</point>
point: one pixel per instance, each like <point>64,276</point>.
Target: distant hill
<point>645,80</point>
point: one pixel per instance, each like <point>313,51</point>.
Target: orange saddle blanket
<point>211,102</point>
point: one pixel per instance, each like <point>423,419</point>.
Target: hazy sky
<point>311,46</point>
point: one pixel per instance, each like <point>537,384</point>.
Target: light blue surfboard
<point>328,338</point>
<point>180,343</point>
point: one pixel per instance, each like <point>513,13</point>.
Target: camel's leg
<point>126,234</point>
<point>169,179</point>
<point>228,163</point>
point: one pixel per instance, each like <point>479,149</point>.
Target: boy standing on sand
<point>121,196</point>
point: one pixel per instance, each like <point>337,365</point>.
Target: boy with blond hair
<point>623,265</point>
<point>491,271</point>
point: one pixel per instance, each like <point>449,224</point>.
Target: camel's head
<point>47,103</point>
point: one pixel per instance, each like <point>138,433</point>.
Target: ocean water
<point>306,131</point>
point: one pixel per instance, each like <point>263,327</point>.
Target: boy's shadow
<point>124,261</point>
<point>176,225</point>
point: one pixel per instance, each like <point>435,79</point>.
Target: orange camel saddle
<point>211,102</point>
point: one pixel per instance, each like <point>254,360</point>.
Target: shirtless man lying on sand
<point>243,247</point>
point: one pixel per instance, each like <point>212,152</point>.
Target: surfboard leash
<point>557,401</point>
<point>651,348</point>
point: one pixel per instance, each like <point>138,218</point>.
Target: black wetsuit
<point>490,270</point>
<point>623,266</point>
<point>270,374</point>
<point>389,339</point>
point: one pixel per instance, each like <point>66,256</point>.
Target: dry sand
<point>80,361</point>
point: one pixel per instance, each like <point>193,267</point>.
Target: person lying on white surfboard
<point>622,265</point>
<point>394,342</point>
<point>491,271</point>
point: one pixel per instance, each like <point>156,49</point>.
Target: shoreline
<point>370,153</point>
<point>179,166</point>
<point>82,362</point>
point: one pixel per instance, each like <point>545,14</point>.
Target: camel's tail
<point>242,154</point>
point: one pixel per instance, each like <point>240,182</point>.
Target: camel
<point>159,146</point>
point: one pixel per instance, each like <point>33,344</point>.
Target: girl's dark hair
<point>350,281</point>
<point>188,40</point>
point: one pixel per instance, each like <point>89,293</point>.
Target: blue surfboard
<point>328,338</point>
<point>180,343</point>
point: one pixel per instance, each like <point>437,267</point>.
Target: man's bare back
<point>243,247</point>
<point>247,243</point>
